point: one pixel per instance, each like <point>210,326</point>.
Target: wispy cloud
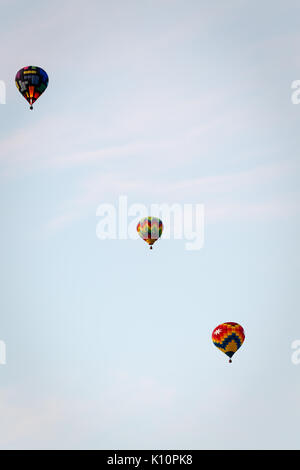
<point>221,194</point>
<point>54,422</point>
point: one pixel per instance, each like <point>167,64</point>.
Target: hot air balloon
<point>228,337</point>
<point>31,82</point>
<point>150,229</point>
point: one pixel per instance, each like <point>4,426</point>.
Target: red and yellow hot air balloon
<point>150,229</point>
<point>228,337</point>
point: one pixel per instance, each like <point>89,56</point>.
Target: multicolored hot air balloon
<point>228,337</point>
<point>150,229</point>
<point>31,83</point>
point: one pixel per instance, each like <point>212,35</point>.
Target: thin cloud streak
<point>107,188</point>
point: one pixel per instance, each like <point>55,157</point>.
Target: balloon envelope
<point>228,337</point>
<point>150,229</point>
<point>31,82</point>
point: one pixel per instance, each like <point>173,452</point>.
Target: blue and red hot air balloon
<point>31,82</point>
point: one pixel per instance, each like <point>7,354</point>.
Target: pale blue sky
<point>109,344</point>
